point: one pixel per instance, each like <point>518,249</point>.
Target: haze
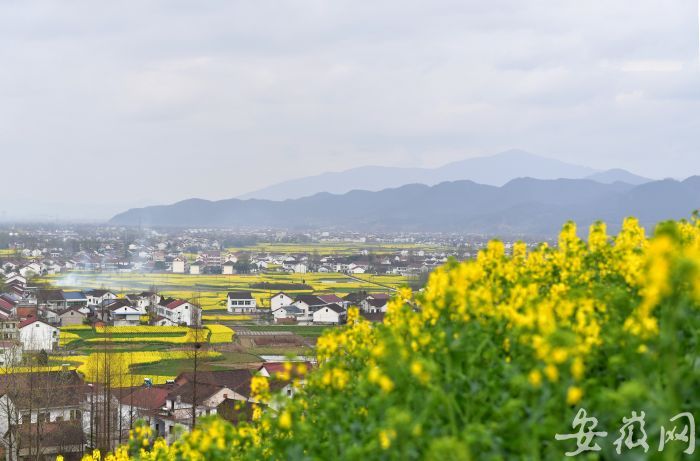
<point>112,105</point>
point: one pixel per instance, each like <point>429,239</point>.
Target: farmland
<point>504,353</point>
<point>159,353</point>
<point>336,248</point>
<point>210,290</point>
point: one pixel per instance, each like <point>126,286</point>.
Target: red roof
<point>29,321</point>
<point>176,303</point>
<point>150,398</point>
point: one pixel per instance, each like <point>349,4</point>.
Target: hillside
<point>522,206</point>
<point>494,170</point>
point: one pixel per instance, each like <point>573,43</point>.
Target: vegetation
<point>493,359</point>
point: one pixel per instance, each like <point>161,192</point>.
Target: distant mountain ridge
<point>495,170</point>
<point>522,206</point>
<point>618,175</point>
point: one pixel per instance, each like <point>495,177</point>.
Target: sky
<point>106,106</point>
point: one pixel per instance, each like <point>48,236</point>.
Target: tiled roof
<point>240,295</point>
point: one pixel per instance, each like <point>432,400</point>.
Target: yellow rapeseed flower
<point>574,395</point>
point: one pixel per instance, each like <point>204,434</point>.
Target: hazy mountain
<point>522,206</point>
<point>494,170</point>
<point>618,175</point>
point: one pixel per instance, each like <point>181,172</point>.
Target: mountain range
<point>523,206</point>
<point>494,170</point>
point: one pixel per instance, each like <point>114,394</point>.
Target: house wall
<point>326,315</point>
<point>280,300</point>
<point>241,305</point>
<point>72,318</point>
<point>178,267</point>
<point>38,336</point>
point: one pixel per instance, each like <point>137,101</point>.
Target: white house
<point>30,269</point>
<point>195,268</point>
<point>179,311</point>
<point>16,278</point>
<point>143,300</point>
<point>286,312</point>
<point>356,269</point>
<point>241,302</point>
<point>126,316</point>
<point>374,305</point>
<point>330,314</point>
<point>37,335</point>
<point>98,297</point>
<point>228,268</point>
<point>280,300</point>
<point>179,264</point>
<point>300,268</point>
<point>308,303</point>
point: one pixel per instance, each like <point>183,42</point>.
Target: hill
<point>522,206</point>
<point>494,170</point>
<point>618,175</point>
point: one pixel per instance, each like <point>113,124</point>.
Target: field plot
<point>89,339</point>
<point>135,353</point>
<point>336,248</point>
<point>127,369</point>
<point>210,290</point>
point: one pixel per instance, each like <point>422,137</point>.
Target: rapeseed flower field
<point>209,291</point>
<point>492,360</point>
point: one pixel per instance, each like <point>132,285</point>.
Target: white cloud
<point>197,93</point>
<point>652,66</point>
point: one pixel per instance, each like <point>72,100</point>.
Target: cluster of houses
<point>21,328</point>
<point>308,309</point>
<point>325,309</point>
<point>174,255</point>
<point>46,414</point>
<point>30,319</point>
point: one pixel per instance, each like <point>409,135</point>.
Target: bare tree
<point>194,354</point>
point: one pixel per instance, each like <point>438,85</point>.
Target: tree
<point>42,358</point>
<point>199,335</point>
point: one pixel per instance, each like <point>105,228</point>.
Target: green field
<point>174,367</point>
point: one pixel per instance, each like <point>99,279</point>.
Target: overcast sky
<point>110,105</point>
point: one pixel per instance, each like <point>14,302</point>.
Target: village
<point>40,328</point>
<point>100,330</point>
<point>103,326</point>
